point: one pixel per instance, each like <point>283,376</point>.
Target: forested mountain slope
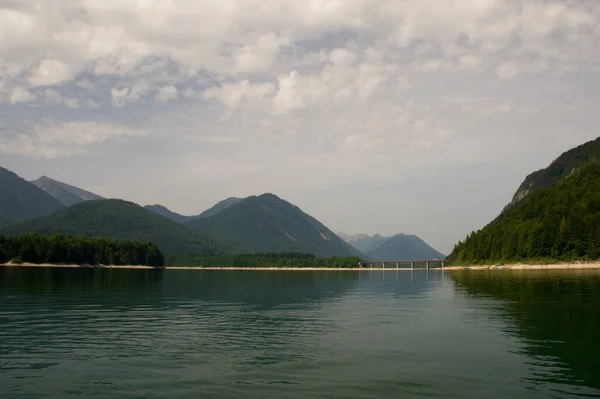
<point>563,166</point>
<point>267,223</point>
<point>122,220</point>
<point>219,206</point>
<point>561,222</point>
<point>166,212</point>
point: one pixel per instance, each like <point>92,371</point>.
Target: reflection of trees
<point>46,280</point>
<point>262,288</point>
<point>555,313</point>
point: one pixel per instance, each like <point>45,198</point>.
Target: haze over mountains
<point>264,223</point>
<point>68,195</point>
<point>396,247</point>
<point>21,200</point>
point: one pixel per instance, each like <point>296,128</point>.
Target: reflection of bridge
<point>428,263</point>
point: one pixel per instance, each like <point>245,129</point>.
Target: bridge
<point>382,263</point>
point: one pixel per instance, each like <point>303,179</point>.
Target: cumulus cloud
<point>374,80</point>
<point>233,94</point>
<point>167,93</point>
<point>21,95</point>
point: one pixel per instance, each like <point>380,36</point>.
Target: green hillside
<point>219,206</point>
<point>267,223</point>
<point>166,212</point>
<point>562,167</point>
<point>21,200</point>
<point>557,223</point>
<point>122,220</point>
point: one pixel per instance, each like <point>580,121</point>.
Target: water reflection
<point>400,283</point>
<point>555,313</point>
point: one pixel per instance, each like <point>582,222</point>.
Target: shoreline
<point>83,266</point>
<point>556,266</point>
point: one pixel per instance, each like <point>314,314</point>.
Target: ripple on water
<point>257,335</point>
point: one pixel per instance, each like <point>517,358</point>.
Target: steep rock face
<point>122,220</point>
<point>68,195</point>
<point>20,200</point>
<point>364,242</point>
<point>266,223</point>
<point>566,164</point>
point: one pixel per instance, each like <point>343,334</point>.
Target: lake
<point>282,334</point>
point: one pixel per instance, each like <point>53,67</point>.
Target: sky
<point>374,116</point>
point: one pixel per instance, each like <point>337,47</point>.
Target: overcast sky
<point>387,116</point>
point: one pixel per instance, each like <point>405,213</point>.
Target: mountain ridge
<point>67,194</point>
<point>558,218</point>
<point>113,218</point>
<point>267,223</point>
<point>389,248</point>
<point>21,200</point>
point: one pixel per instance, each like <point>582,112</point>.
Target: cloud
<point>65,139</point>
<point>369,85</point>
<point>21,95</point>
<point>127,95</point>
<point>167,93</point>
<point>234,94</point>
<point>49,72</point>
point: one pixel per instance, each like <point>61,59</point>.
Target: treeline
<point>59,248</point>
<point>284,259</point>
<point>561,223</point>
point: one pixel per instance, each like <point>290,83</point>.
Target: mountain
<point>21,200</point>
<point>219,206</point>
<point>364,242</point>
<point>397,247</point>
<point>563,166</point>
<point>123,220</point>
<point>266,223</point>
<point>165,212</point>
<point>68,195</point>
<point>404,247</point>
<point>557,219</point>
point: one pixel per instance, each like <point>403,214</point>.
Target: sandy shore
<point>524,266</point>
<point>556,266</point>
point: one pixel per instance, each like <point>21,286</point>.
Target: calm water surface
<point>225,334</point>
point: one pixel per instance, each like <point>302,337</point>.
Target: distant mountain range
<point>21,200</point>
<point>264,223</point>
<point>68,195</point>
<point>396,247</point>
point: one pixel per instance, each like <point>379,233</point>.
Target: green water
<point>224,334</point>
